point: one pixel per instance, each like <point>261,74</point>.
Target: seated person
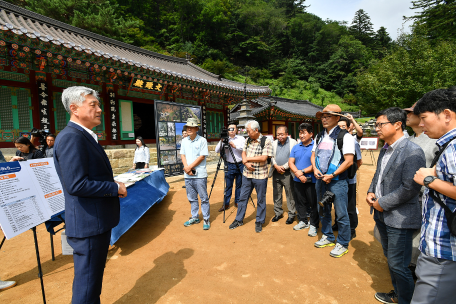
<point>26,150</point>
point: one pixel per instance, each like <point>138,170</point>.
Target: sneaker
<point>323,242</point>
<point>206,225</point>
<point>258,227</point>
<point>191,221</point>
<point>236,224</point>
<point>301,225</point>
<point>312,231</point>
<point>387,298</point>
<point>338,251</point>
<point>6,284</point>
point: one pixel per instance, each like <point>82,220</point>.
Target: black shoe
<point>236,224</point>
<point>334,227</point>
<point>353,235</point>
<point>226,208</point>
<point>290,220</point>
<point>258,227</point>
<point>183,186</point>
<point>277,217</point>
<point>387,298</point>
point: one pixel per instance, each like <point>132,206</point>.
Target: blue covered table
<point>141,196</point>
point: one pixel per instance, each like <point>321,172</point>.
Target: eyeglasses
<point>326,117</point>
<point>230,129</point>
<point>381,124</point>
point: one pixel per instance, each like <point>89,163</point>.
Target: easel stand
<point>40,272</point>
<point>372,156</point>
<point>224,146</point>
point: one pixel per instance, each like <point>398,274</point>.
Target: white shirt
<point>88,131</point>
<point>239,142</point>
<point>327,143</point>
<point>142,155</point>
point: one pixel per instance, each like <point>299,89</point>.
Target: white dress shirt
<point>142,155</point>
<point>88,131</point>
<point>239,142</point>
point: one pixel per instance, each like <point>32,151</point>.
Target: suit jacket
<point>274,151</point>
<point>399,200</point>
<point>91,195</point>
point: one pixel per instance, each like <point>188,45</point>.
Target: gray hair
<point>76,96</point>
<point>253,125</point>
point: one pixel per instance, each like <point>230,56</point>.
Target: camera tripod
<point>225,145</point>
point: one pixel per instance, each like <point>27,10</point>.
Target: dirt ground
<point>160,261</point>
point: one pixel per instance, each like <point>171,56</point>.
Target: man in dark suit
<point>91,196</point>
<point>394,196</point>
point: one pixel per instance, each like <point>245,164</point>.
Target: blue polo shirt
<point>302,155</point>
<point>192,149</point>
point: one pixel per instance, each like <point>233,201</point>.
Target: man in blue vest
<point>330,166</point>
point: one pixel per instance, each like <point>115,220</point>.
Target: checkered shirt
<point>436,239</point>
<point>252,148</point>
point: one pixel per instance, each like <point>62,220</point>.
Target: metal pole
<point>40,272</point>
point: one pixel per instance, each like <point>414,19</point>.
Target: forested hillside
<point>277,43</point>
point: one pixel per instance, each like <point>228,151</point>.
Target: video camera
<point>41,135</point>
<point>326,200</point>
<point>224,135</point>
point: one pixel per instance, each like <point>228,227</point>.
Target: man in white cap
<point>193,154</point>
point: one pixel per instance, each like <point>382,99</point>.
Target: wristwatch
<point>429,179</point>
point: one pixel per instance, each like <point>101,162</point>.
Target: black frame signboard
<point>170,118</point>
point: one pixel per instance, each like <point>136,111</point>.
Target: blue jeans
<point>340,189</point>
<point>195,186</point>
<point>397,247</point>
<point>230,175</point>
<point>260,186</point>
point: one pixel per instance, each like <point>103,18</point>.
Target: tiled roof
<point>22,21</point>
<point>299,107</point>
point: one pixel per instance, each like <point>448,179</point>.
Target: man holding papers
<point>91,195</point>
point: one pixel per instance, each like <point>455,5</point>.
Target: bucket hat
<point>332,109</point>
<point>191,122</point>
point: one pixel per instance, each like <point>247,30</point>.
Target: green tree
<point>98,16</point>
<point>401,78</point>
<point>438,17</point>
<point>361,27</point>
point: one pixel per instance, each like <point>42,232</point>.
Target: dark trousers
<point>140,165</point>
<point>351,208</point>
<point>260,186</point>
<point>397,247</point>
<point>89,256</point>
<point>306,201</point>
<point>230,175</point>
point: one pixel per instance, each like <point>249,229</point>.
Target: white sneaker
<point>6,284</point>
<point>312,231</point>
<point>301,225</point>
<point>338,251</point>
<point>324,242</point>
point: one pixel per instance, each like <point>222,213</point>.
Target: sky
<point>387,13</point>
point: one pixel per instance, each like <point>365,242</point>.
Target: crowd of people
<point>411,196</point>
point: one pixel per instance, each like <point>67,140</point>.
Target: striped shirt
<point>436,239</point>
<point>252,148</point>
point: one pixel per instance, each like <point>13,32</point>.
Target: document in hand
<point>30,194</point>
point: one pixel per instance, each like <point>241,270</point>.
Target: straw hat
<point>411,108</point>
<point>332,109</point>
<point>191,122</point>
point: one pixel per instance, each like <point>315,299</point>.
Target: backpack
<point>450,216</point>
<point>262,143</point>
<point>351,171</point>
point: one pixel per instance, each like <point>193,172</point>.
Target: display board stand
<point>37,250</point>
<point>372,156</point>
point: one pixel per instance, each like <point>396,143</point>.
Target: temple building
<point>40,57</point>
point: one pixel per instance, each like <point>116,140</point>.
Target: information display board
<point>369,143</point>
<point>170,118</point>
<point>30,194</point>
